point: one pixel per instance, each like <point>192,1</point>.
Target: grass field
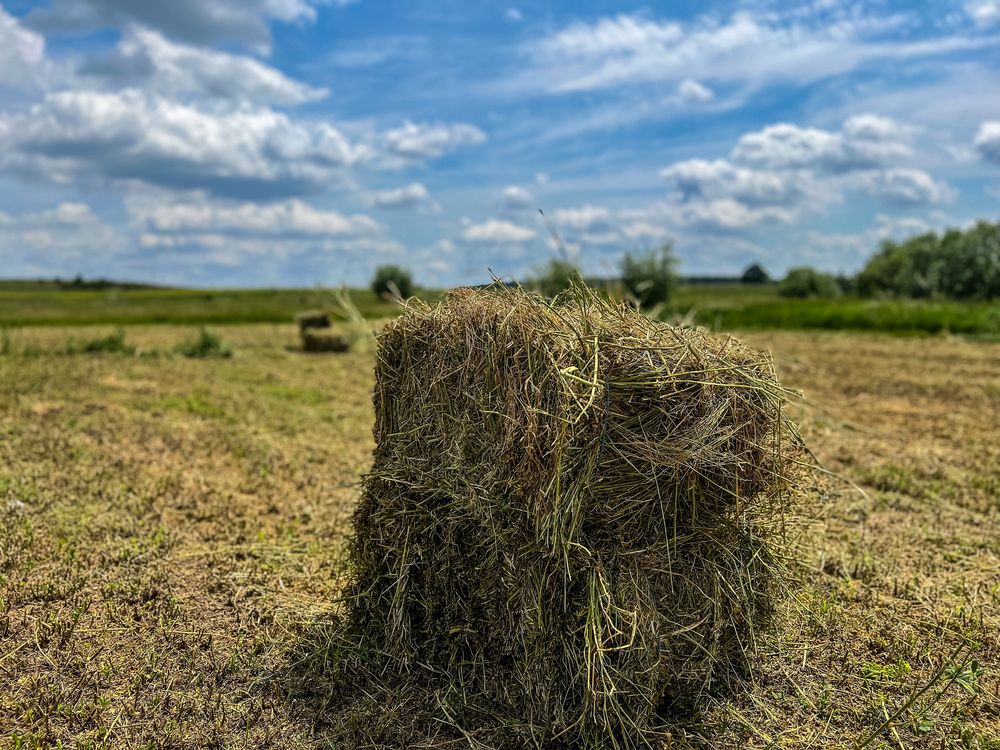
<point>741,307</point>
<point>718,306</point>
<point>29,305</point>
<point>172,534</point>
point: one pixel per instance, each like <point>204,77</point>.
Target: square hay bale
<point>572,529</point>
<point>322,341</point>
<point>312,319</point>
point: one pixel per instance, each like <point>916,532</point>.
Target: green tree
<point>556,276</point>
<point>958,264</point>
<point>805,282</point>
<point>755,274</point>
<point>649,276</point>
<point>392,281</point>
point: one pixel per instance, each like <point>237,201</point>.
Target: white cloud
<point>643,230</point>
<point>690,91</point>
<point>145,57</point>
<point>588,218</point>
<point>727,214</point>
<point>987,141</point>
<point>66,239</point>
<point>131,135</point>
<point>745,48</point>
<point>194,229</point>
<point>197,21</point>
<point>719,178</point>
<point>906,187</point>
<point>407,195</point>
<point>514,197</point>
<point>864,141</point>
<point>285,219</point>
<point>497,231</point>
<point>420,141</point>
<point>21,51</point>
<point>515,15</point>
<point>984,12</point>
<point>784,172</point>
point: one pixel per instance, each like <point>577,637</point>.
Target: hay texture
<point>572,528</point>
<point>318,341</point>
<point>312,319</point>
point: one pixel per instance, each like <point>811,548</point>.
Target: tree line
<point>955,264</point>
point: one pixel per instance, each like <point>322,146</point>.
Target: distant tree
<point>390,281</point>
<point>958,264</point>
<point>650,276</point>
<point>847,284</point>
<point>556,276</point>
<point>971,267</point>
<point>755,274</point>
<point>805,282</point>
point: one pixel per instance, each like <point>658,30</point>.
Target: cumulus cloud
<point>784,171</point>
<point>906,187</point>
<point>729,214</point>
<point>777,175</point>
<point>68,237</point>
<point>400,197</point>
<point>514,197</point>
<point>987,141</point>
<point>719,178</point>
<point>420,141</point>
<point>196,21</point>
<point>498,232</point>
<point>291,218</point>
<point>593,225</point>
<point>146,58</point>
<point>864,142</point>
<point>132,135</point>
<point>21,51</point>
<point>226,233</point>
<point>716,215</point>
<point>588,218</point>
<point>984,12</point>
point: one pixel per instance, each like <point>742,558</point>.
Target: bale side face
<point>321,341</point>
<point>570,523</point>
<point>312,319</point>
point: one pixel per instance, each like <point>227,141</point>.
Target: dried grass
<point>322,341</point>
<point>573,530</point>
<point>312,319</point>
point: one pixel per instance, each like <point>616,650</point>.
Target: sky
<point>302,142</point>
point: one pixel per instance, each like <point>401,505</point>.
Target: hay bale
<point>571,530</point>
<point>312,319</point>
<point>322,341</point>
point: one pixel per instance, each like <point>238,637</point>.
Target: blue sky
<point>279,142</point>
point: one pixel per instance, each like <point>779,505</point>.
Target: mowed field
<point>172,538</point>
<point>715,306</point>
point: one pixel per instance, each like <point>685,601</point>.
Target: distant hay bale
<point>323,341</point>
<point>312,319</point>
<point>572,529</point>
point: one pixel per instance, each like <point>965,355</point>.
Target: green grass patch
<point>47,306</point>
<point>207,345</point>
<point>111,344</point>
<point>717,306</point>
<point>738,307</point>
